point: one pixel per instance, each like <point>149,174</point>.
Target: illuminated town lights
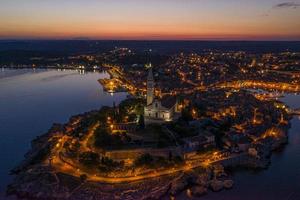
<point>194,113</point>
<point>189,193</point>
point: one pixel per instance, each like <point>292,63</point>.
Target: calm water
<point>30,101</point>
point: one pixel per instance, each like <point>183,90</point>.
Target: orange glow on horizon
<point>131,35</point>
<point>154,20</point>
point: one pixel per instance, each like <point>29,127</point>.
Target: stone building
<point>162,109</point>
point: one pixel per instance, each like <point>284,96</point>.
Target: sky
<point>150,19</point>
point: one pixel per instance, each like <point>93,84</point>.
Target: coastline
<point>27,183</point>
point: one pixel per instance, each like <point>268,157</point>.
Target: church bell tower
<point>150,87</point>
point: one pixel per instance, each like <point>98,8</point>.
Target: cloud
<point>287,5</point>
<point>264,15</point>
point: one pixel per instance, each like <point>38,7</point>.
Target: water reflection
<point>31,100</point>
<point>29,105</point>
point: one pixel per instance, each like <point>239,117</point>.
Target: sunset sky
<point>150,19</point>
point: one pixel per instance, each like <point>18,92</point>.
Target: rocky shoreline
<point>42,182</point>
<point>36,179</point>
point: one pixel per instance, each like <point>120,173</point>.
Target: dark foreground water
<point>30,101</point>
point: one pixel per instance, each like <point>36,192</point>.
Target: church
<point>162,109</point>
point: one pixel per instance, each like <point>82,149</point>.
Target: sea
<point>31,100</point>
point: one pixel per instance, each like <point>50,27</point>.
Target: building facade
<point>150,87</point>
<point>158,109</point>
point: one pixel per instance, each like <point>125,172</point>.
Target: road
<point>84,144</point>
<point>64,166</point>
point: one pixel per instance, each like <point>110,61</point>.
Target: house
<point>198,142</point>
<point>194,143</point>
<point>237,141</point>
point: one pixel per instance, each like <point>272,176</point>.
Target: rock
<point>218,170</point>
<point>36,183</point>
<point>279,142</point>
<point>202,179</point>
<point>199,191</point>
<point>178,185</point>
<point>228,184</point>
<point>216,185</point>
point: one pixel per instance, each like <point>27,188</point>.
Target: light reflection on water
<point>31,100</point>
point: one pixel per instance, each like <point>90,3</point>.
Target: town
<point>187,118</point>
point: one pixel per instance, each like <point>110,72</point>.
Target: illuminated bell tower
<point>150,87</point>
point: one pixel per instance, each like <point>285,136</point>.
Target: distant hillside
<point>92,46</point>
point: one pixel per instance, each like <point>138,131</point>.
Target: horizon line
<point>151,40</point>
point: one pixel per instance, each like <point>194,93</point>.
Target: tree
<point>83,178</point>
<point>186,115</point>
<point>102,138</point>
<point>161,162</point>
<point>108,165</point>
<point>139,109</point>
<point>145,159</point>
<point>141,122</point>
<point>170,155</point>
<point>226,124</point>
<point>178,160</point>
<point>89,158</point>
